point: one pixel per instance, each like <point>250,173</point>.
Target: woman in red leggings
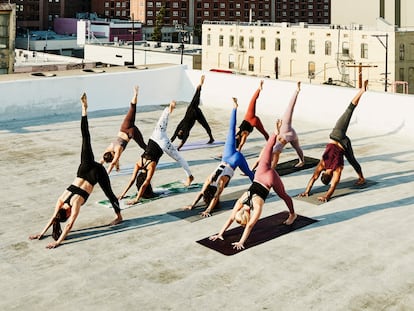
<point>250,121</point>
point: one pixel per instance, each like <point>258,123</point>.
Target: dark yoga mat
<point>201,144</point>
<point>344,187</point>
<point>226,203</point>
<point>266,229</point>
<point>288,167</point>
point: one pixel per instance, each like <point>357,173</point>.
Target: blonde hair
<point>242,217</point>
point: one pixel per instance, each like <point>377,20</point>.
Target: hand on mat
<point>237,245</point>
<point>187,207</point>
<point>35,237</point>
<point>304,194</point>
<point>323,199</point>
<point>205,214</point>
<point>132,202</point>
<point>215,237</point>
<point>52,245</point>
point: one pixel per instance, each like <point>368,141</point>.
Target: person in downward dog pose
<point>159,135</point>
<point>89,174</point>
<point>127,131</point>
<point>192,115</point>
<point>220,178</point>
<point>287,135</point>
<point>249,206</point>
<point>332,162</point>
<point>250,121</point>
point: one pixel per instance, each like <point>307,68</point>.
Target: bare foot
<point>235,104</point>
<point>291,219</point>
<point>202,79</point>
<point>172,106</point>
<point>298,86</point>
<point>360,182</point>
<point>116,221</point>
<point>299,164</point>
<point>189,180</point>
<point>261,85</point>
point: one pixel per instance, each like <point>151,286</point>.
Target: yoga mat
<point>266,229</point>
<point>288,167</point>
<point>200,145</point>
<point>226,203</point>
<point>128,169</point>
<point>344,187</point>
<point>162,191</point>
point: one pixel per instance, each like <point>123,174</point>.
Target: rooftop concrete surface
<point>358,256</point>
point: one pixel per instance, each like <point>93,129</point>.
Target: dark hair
<point>108,157</point>
<point>148,193</point>
<point>209,193</point>
<point>60,217</point>
<point>326,178</point>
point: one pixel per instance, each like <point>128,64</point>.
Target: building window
<point>150,4</point>
<point>328,47</point>
<point>311,46</point>
<point>251,63</point>
<point>231,41</point>
<point>311,70</point>
<point>241,42</point>
<point>208,39</point>
<point>231,61</point>
<point>364,50</point>
<point>175,5</point>
<point>293,44</point>
<point>277,44</point>
<point>345,48</point>
<point>263,43</point>
<point>402,51</point>
<point>251,42</point>
<point>206,5</point>
<point>221,38</point>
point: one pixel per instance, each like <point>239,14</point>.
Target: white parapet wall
<point>379,112</point>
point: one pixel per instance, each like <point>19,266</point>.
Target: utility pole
<point>133,31</point>
<point>385,45</point>
<point>360,66</point>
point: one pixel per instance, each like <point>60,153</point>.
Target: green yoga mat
<point>288,167</point>
<point>344,187</point>
<point>266,229</point>
<point>162,191</point>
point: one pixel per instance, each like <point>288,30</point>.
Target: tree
<point>159,22</point>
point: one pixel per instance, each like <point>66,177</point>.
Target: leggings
<point>230,154</point>
<point>128,127</point>
<point>93,171</point>
<point>251,117</point>
<point>159,135</point>
<point>339,134</point>
<point>268,177</point>
<point>287,132</point>
<point>192,114</point>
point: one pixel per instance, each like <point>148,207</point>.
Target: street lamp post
<point>386,56</point>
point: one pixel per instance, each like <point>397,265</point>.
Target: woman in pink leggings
<point>249,206</point>
<point>287,135</point>
<point>250,121</point>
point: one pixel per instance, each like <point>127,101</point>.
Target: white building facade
<point>340,54</point>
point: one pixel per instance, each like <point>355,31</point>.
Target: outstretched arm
<point>318,170</point>
<point>58,205</point>
<point>147,181</point>
<point>132,180</point>
<point>335,181</point>
<point>237,206</point>
<point>74,214</point>
<point>249,227</point>
<point>213,203</point>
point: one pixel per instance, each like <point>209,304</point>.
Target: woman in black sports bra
<point>89,174</point>
<point>145,165</point>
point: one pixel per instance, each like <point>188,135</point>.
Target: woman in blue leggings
<point>220,178</point>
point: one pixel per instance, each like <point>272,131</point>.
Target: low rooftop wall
<point>41,97</point>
